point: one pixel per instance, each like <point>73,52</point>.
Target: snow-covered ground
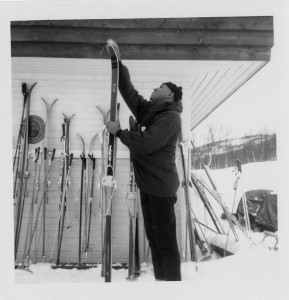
<point>254,261</point>
<point>252,273</point>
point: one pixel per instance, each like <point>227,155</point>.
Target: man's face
<point>160,94</point>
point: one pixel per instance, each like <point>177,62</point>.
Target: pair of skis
<point>86,196</point>
<point>21,164</point>
<point>17,155</point>
<point>67,159</point>
<point>108,181</point>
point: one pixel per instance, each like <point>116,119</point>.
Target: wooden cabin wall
<point>79,85</point>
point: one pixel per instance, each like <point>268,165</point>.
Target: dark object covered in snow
<point>262,208</point>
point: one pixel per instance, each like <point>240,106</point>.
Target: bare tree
<point>227,133</point>
<point>264,133</point>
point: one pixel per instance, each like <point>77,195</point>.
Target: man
<point>152,144</point>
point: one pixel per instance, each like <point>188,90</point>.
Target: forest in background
<point>224,153</point>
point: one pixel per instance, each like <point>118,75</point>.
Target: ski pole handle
<point>239,166</point>
<point>63,131</point>
<point>71,158</point>
<point>90,155</point>
<point>24,88</point>
<point>53,154</point>
<point>24,91</point>
<point>45,153</point>
<point>83,160</point>
<point>37,152</point>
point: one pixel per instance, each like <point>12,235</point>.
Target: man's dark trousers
<point>160,226</point>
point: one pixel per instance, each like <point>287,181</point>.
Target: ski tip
<point>112,44</point>
<point>33,85</point>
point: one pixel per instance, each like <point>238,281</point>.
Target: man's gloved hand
<point>112,127</point>
<point>131,123</point>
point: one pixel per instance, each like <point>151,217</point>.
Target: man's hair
<point>177,90</point>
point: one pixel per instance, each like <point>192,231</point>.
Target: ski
<point>26,253</point>
<point>189,221</point>
<point>24,171</point>
<point>131,198</point>
<point>244,200</point>
<point>47,164</point>
<point>83,169</point>
<point>109,180</point>
<point>136,238</point>
<point>103,193</point>
<point>198,240</point>
<point>90,191</point>
<point>17,154</point>
<point>65,181</point>
<point>132,206</point>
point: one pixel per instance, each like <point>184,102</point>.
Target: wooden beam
<point>141,52</point>
<point>232,38</point>
<point>141,36</point>
<point>258,23</point>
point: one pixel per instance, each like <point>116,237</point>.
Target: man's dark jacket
<point>153,147</point>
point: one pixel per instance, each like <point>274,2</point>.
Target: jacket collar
<point>169,106</point>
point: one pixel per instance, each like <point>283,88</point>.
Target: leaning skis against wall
<point>31,180</point>
<point>194,233</point>
<point>223,234</point>
<point>65,183</point>
<point>86,201</point>
<point>21,164</point>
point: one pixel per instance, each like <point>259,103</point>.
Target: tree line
<point>224,153</point>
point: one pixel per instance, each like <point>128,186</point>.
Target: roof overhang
<point>210,57</point>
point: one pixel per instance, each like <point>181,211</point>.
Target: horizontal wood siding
<point>79,85</point>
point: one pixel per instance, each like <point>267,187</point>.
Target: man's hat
<point>175,89</point>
